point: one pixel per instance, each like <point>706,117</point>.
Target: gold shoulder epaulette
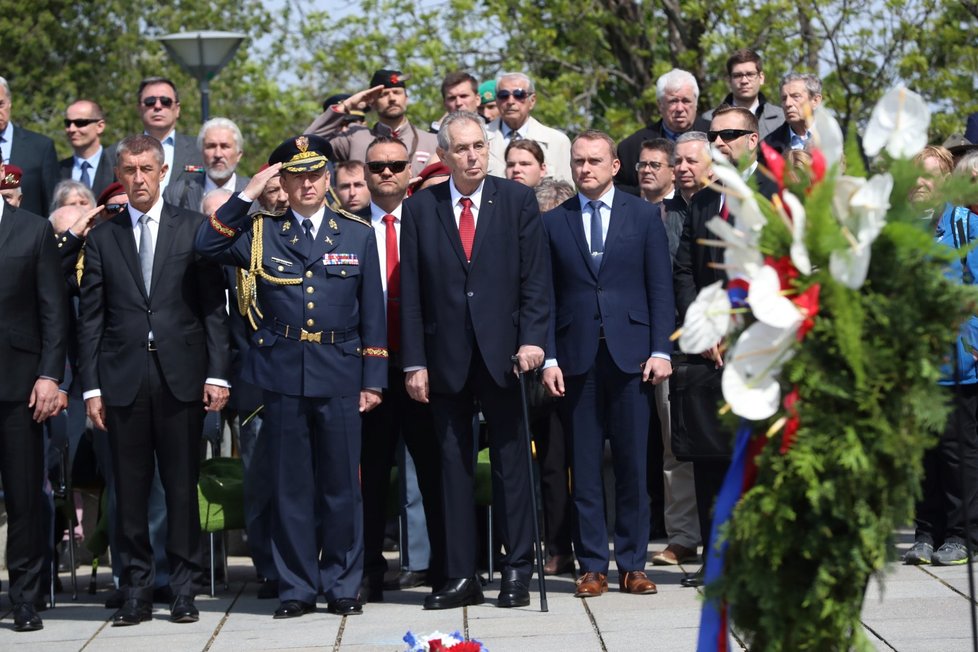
<point>351,216</point>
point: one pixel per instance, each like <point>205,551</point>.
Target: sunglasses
<point>150,102</point>
<point>518,94</point>
<point>377,167</point>
<point>114,208</point>
<point>727,134</point>
<point>81,122</point>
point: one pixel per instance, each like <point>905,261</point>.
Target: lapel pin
<point>328,241</point>
<point>294,239</point>
<point>332,224</point>
<point>286,226</point>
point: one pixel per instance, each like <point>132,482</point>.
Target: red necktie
<point>725,211</point>
<point>393,287</point>
<point>466,227</point>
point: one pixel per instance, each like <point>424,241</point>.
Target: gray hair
<point>5,86</point>
<point>692,135</point>
<point>552,193</point>
<point>445,141</point>
<point>674,80</point>
<point>517,75</point>
<point>220,123</point>
<point>812,83</point>
<point>211,194</point>
<point>65,188</point>
<point>967,164</point>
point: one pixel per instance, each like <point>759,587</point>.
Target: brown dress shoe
<point>674,554</point>
<point>559,565</point>
<point>638,583</point>
<point>591,585</point>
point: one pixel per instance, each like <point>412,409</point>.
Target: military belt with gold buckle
<point>319,337</point>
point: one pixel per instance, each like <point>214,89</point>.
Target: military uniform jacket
<point>322,330</point>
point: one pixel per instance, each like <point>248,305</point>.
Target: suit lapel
<point>164,237</point>
<point>446,216</point>
<point>619,208</point>
<point>127,247</point>
<point>487,212</point>
<point>293,236</point>
<point>6,223</point>
<point>327,239</point>
<point>575,225</point>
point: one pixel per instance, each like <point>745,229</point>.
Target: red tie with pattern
<point>725,211</point>
<point>393,287</point>
<point>466,227</point>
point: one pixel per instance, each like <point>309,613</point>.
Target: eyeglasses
<point>114,208</point>
<point>81,122</point>
<point>650,165</point>
<point>518,94</point>
<point>376,167</point>
<point>737,76</point>
<point>727,134</point>
<point>150,102</point>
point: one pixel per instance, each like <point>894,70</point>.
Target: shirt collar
<point>476,196</point>
<point>317,218</point>
<point>8,133</point>
<point>377,214</point>
<point>155,212</point>
<point>92,160</point>
<point>507,131</point>
<point>746,174</point>
<point>169,139</point>
<point>209,183</point>
<point>669,133</point>
<point>607,198</point>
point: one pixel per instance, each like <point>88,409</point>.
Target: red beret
<point>113,189</point>
<point>437,169</point>
<point>11,177</point>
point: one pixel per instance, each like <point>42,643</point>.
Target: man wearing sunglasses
<point>90,163</point>
<point>516,97</point>
<point>695,386</point>
<point>33,153</point>
<point>159,108</point>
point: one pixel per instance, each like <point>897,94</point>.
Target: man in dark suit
<point>159,108</point>
<point>34,320</point>
<point>221,146</point>
<point>677,93</point>
<point>801,94</point>
<point>601,360</point>
<point>317,269</point>
<point>90,163</point>
<point>153,343</point>
<point>733,132</point>
<point>475,291</point>
<point>33,153</point>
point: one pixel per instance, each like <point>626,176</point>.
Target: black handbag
<point>695,397</point>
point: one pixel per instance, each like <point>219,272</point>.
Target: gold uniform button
<point>309,273</point>
<point>310,322</point>
<point>281,268</point>
<point>261,340</point>
<point>60,244</point>
<point>310,305</point>
<point>310,290</point>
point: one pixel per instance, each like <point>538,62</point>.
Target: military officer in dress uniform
<point>313,293</point>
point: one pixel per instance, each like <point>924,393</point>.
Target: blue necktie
<point>597,234</point>
<point>85,178</point>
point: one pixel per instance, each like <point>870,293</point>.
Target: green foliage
<point>807,537</point>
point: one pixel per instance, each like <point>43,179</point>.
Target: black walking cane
<point>533,489</point>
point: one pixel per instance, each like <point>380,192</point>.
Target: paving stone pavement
<point>918,608</point>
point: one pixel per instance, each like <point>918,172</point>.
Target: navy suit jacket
<point>451,308</point>
<point>630,295</point>
<point>35,155</point>
<point>104,173</point>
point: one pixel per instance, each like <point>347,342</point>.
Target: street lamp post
<point>203,55</point>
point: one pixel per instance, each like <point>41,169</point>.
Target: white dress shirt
<point>6,136</point>
<point>227,185</point>
<point>476,198</point>
<point>380,232</point>
<point>93,161</point>
<point>168,142</point>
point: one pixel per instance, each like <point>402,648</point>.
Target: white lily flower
<point>845,189</point>
<point>870,203</point>
<point>740,254</point>
<point>707,319</point>
<point>828,136</point>
<point>750,376</point>
<point>849,266</point>
<point>768,304</point>
<point>799,253</point>
<point>740,198</point>
<point>899,122</point>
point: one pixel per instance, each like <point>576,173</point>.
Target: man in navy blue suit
<point>608,343</point>
<point>475,290</point>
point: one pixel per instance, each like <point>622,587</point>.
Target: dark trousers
<point>22,472</point>
<point>317,533</point>
<point>157,429</point>
<point>606,401</point>
<point>553,455</point>
<point>511,477</point>
<point>946,504</point>
<point>396,417</point>
<point>708,478</point>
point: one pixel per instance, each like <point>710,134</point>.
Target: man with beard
<point>387,95</point>
<point>220,144</point>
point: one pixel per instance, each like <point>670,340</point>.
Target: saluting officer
<point>313,292</point>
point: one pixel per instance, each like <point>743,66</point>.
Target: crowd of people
<point>365,301</point>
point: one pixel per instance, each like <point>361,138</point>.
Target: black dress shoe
<point>115,600</point>
<point>456,593</point>
<point>26,618</point>
<point>183,610</point>
<point>268,590</point>
<point>132,612</point>
<point>372,588</point>
<point>293,609</point>
<point>407,580</point>
<point>344,607</point>
<point>514,591</point>
<point>694,580</point>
